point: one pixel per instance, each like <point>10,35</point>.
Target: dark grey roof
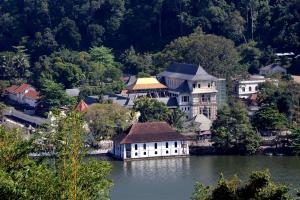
<point>119,99</point>
<point>187,72</point>
<point>91,100</point>
<point>25,118</point>
<point>132,80</point>
<point>169,101</point>
<point>183,68</point>
<point>272,66</point>
<point>182,88</point>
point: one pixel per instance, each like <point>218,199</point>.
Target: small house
<point>272,69</point>
<point>149,140</point>
<point>24,94</point>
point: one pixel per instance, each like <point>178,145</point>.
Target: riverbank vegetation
<point>232,131</point>
<point>65,175</point>
<point>258,187</point>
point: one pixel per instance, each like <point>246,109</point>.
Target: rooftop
<point>25,118</point>
<point>74,92</point>
<point>184,71</point>
<point>17,89</point>
<point>146,83</point>
<point>81,106</point>
<point>149,132</point>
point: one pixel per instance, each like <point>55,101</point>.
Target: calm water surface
<point>174,179</point>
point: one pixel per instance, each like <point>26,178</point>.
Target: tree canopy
<point>232,131</point>
<point>66,176</point>
<point>106,120</point>
<point>259,186</point>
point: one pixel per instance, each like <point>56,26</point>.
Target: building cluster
<point>187,87</point>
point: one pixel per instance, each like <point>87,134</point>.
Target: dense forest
<point>58,44</point>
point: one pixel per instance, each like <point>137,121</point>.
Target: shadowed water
<point>174,179</point>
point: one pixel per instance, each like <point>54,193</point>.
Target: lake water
<point>174,178</point>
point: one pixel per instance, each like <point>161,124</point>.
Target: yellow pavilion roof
<point>147,83</point>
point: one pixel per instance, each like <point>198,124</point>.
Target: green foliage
<point>285,97</point>
<point>15,65</point>
<point>151,110</point>
<point>106,120</point>
<point>268,118</point>
<point>251,56</point>
<point>54,95</point>
<point>215,54</point>
<point>66,176</point>
<point>258,187</point>
<point>232,131</point>
<point>295,143</point>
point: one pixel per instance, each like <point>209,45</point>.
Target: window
<point>135,154</point>
<point>155,152</point>
<point>203,98</point>
<point>243,89</point>
<point>256,88</point>
<point>175,144</point>
<point>167,145</point>
<point>155,145</point>
<point>185,98</point>
<point>144,146</point>
<point>194,85</point>
<point>175,151</point>
<point>199,85</point>
<point>250,89</point>
<point>144,153</point>
<point>208,84</point>
<point>135,146</point>
<point>167,152</point>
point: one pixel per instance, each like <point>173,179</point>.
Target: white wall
<point>150,150</point>
<point>247,92</point>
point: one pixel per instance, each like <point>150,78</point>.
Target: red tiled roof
<point>22,88</point>
<point>32,94</point>
<point>149,132</point>
<point>81,106</point>
<point>11,89</point>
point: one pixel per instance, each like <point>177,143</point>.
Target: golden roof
<point>147,83</point>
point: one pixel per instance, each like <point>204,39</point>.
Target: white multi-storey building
<point>245,88</point>
<point>194,89</point>
<point>150,139</point>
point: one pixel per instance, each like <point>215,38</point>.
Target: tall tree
<point>232,131</point>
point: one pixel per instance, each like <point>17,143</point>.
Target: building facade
<point>23,94</point>
<point>148,140</point>
<point>194,88</point>
<point>245,88</point>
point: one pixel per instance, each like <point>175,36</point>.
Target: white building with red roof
<point>23,94</point>
<point>149,140</point>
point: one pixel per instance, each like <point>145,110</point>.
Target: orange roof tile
<point>32,94</point>
<point>81,106</point>
<point>22,88</point>
<point>11,89</point>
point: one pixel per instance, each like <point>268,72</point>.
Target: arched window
<point>135,146</point>
<point>144,146</point>
<point>155,145</point>
<point>175,144</point>
<point>250,89</point>
<point>167,145</point>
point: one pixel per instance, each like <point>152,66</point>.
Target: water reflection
<point>174,179</point>
<point>162,168</point>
